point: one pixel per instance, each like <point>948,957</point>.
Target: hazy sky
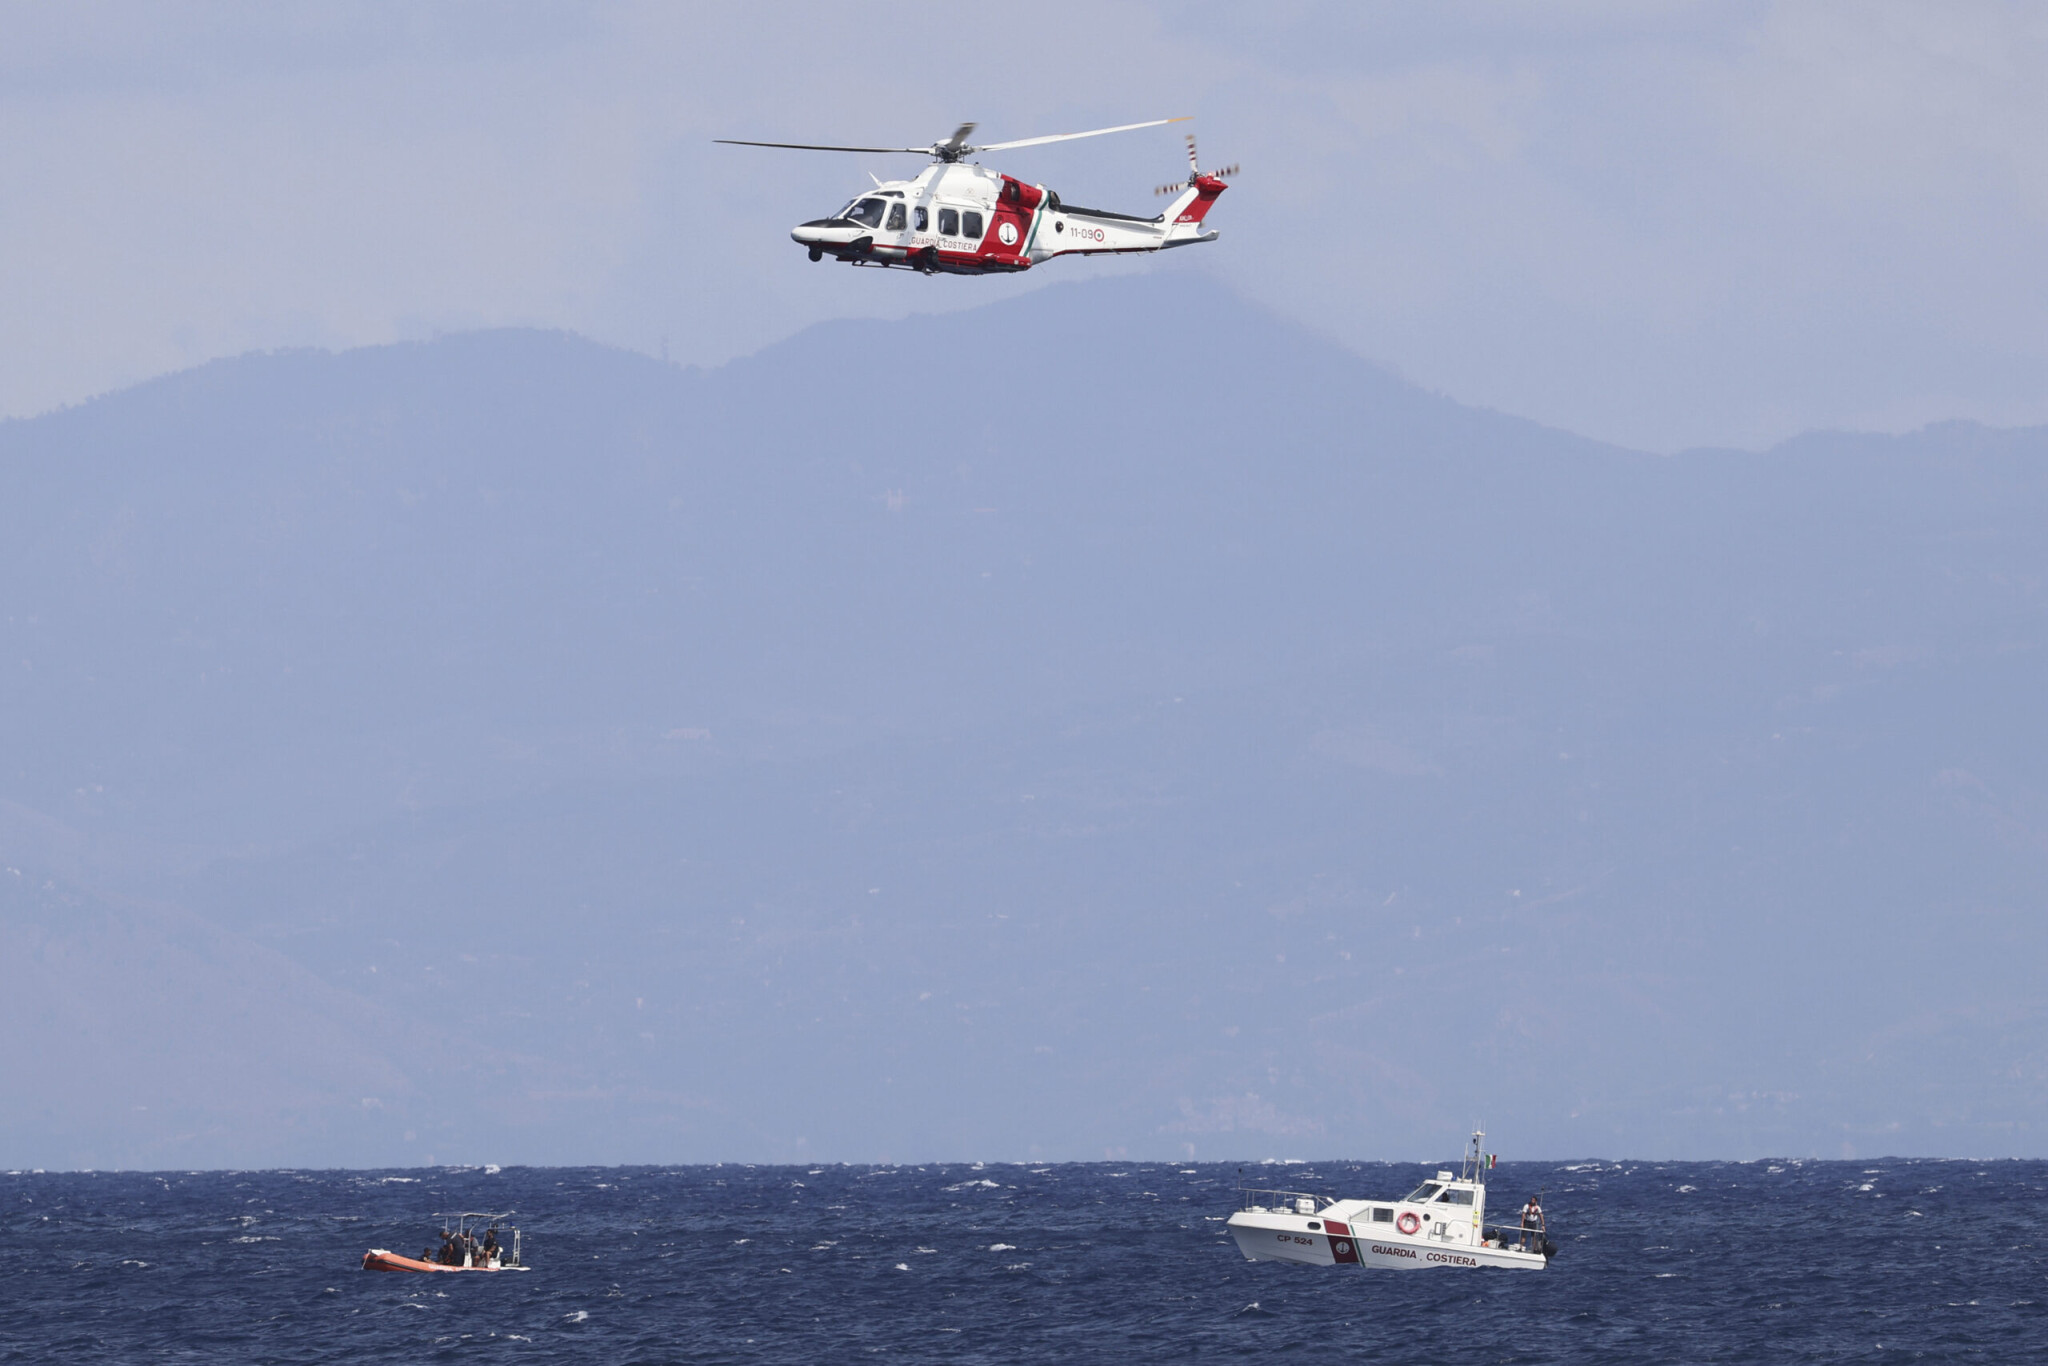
<point>1665,225</point>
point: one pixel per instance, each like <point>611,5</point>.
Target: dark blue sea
<point>1764,1262</point>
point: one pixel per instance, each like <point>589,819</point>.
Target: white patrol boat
<point>1439,1223</point>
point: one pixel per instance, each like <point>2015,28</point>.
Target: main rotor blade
<point>1069,137</point>
<point>957,141</point>
<point>819,147</point>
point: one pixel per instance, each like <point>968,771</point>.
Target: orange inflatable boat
<point>381,1259</point>
<point>462,1248</point>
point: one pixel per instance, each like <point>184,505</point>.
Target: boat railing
<point>1280,1202</point>
<point>1515,1238</point>
<point>467,1223</point>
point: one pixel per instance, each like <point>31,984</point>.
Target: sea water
<point>1764,1262</point>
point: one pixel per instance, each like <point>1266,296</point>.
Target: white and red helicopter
<point>958,218</point>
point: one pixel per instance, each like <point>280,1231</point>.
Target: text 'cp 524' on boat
<point>470,1241</point>
<point>1440,1223</point>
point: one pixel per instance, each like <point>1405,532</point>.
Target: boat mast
<point>1475,1160</point>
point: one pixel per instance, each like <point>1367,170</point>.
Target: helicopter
<point>959,218</point>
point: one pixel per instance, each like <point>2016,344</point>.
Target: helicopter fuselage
<point>962,219</point>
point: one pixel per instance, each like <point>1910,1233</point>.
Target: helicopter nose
<point>825,232</point>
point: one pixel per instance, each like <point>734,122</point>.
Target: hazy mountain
<point>1112,721</point>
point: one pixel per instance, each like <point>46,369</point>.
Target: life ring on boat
<point>1408,1222</point>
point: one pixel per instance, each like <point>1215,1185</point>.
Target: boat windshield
<point>1421,1193</point>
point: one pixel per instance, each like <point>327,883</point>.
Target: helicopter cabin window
<point>867,212</point>
<point>896,217</point>
<point>922,220</point>
<point>949,222</point>
<point>970,225</point>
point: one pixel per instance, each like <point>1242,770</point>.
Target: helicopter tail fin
<point>1192,198</point>
<point>1184,216</point>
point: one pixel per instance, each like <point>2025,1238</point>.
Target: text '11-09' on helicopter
<point>959,218</point>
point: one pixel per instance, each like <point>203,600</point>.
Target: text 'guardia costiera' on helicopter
<point>959,218</point>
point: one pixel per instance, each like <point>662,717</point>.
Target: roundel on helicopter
<point>959,218</point>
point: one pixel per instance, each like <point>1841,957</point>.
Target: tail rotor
<point>1195,173</point>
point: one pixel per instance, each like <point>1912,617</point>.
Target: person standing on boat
<point>1532,1223</point>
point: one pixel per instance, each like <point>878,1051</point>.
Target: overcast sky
<point>1664,225</point>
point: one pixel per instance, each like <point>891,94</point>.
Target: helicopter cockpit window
<point>920,218</point>
<point>866,212</point>
<point>970,225</point>
<point>949,222</point>
<point>896,216</point>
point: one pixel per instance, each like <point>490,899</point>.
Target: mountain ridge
<point>1102,722</point>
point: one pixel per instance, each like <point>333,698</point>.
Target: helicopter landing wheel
<point>817,255</point>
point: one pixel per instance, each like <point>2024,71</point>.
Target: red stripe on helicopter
<point>1206,189</point>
